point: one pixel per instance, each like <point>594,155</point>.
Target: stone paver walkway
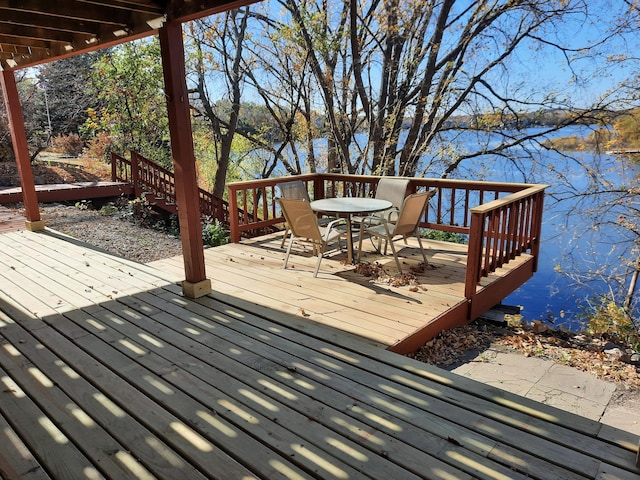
<point>557,385</point>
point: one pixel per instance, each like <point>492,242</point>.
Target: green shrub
<point>84,205</point>
<point>107,210</point>
<point>214,233</point>
<point>443,236</point>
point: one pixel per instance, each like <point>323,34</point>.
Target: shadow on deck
<point>108,371</point>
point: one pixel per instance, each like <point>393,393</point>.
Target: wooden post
<point>135,180</point>
<point>114,173</point>
<point>196,283</point>
<point>474,256</point>
<point>234,217</point>
<point>21,150</point>
<point>538,203</point>
<point>318,187</point>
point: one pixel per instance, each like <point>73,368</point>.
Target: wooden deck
<point>68,191</point>
<point>399,318</point>
<point>107,371</point>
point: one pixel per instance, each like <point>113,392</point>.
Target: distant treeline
<point>619,132</point>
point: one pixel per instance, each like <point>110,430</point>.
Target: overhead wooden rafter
<point>37,31</point>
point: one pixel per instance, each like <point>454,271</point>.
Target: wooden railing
<point>500,220</point>
<point>502,230</point>
<point>149,177</point>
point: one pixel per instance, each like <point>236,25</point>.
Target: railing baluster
<point>465,222</point>
<point>452,219</point>
<point>503,236</point>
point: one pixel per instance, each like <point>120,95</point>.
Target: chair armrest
<point>392,211</point>
<point>335,222</point>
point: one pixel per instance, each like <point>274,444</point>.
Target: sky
<point>549,67</point>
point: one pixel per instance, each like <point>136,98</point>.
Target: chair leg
<point>424,255</point>
<point>286,257</point>
<point>395,254</point>
<point>284,237</point>
<point>360,236</point>
<point>321,249</point>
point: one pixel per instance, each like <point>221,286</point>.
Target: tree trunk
<point>632,287</point>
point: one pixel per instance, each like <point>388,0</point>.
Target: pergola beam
<point>56,29</point>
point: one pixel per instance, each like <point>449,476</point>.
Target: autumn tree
<point>36,130</point>
<point>401,72</point>
<point>131,109</point>
<point>253,86</point>
<point>6,149</point>
<point>68,97</point>
<point>280,77</point>
<point>217,49</point>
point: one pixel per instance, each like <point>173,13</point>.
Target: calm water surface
<point>569,240</point>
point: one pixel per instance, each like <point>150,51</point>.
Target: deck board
<point>126,378</point>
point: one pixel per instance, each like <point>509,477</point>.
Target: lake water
<point>569,240</point>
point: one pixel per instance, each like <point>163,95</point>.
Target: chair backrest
<point>392,189</point>
<point>294,189</point>
<point>411,213</point>
<point>301,220</point>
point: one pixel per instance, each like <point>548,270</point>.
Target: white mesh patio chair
<point>394,190</point>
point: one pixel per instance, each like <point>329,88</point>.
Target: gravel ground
<point>111,232</point>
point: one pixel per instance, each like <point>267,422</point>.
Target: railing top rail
<point>271,181</point>
<point>514,197</point>
<point>433,182</point>
<point>157,167</point>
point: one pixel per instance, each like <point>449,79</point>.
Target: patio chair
<point>406,224</point>
<point>296,190</point>
<point>304,228</point>
<point>394,190</point>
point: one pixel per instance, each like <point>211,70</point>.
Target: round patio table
<point>346,207</point>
